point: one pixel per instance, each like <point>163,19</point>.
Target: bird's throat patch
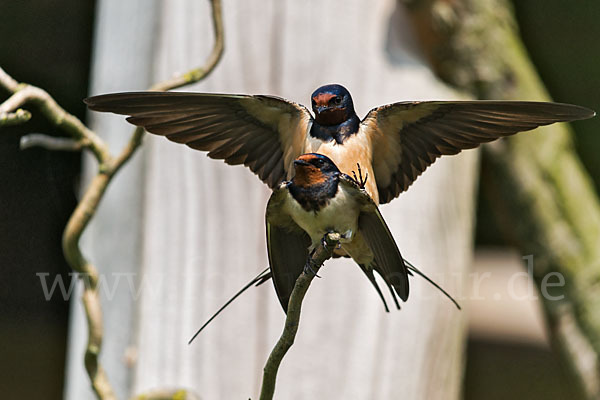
<point>314,197</point>
<point>309,175</point>
<point>334,116</point>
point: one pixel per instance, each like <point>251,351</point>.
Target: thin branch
<point>26,94</point>
<point>49,142</point>
<point>86,209</point>
<point>83,213</point>
<point>200,73</point>
<point>8,82</point>
<point>188,78</point>
<point>292,320</point>
<point>18,117</point>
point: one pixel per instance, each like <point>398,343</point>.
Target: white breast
<point>339,215</point>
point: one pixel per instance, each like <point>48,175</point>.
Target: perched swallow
<point>320,199</point>
<point>394,143</point>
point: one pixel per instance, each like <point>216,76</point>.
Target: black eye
<point>337,100</point>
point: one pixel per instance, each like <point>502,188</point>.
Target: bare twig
<point>22,94</point>
<point>190,77</point>
<point>7,82</point>
<point>197,74</point>
<point>49,142</point>
<point>18,117</point>
<point>286,340</point>
<point>108,167</point>
<point>27,94</point>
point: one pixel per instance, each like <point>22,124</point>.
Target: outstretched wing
<point>388,261</point>
<point>407,137</point>
<point>264,133</point>
<point>287,247</point>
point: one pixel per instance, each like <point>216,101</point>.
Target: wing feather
<point>407,137</point>
<point>387,259</point>
<point>287,247</point>
<point>265,133</point>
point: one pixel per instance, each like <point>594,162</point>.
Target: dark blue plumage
<point>335,118</point>
<point>320,199</point>
<point>316,181</point>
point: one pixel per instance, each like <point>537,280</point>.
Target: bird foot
<point>359,180</point>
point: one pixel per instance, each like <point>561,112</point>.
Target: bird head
<point>332,104</point>
<point>313,169</point>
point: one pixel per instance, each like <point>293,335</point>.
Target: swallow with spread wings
<point>394,143</point>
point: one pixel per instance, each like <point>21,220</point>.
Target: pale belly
<point>341,216</point>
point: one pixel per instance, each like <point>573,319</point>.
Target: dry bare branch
<point>292,320</point>
<point>14,118</point>
<point>108,166</point>
<point>49,142</point>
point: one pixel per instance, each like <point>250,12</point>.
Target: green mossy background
<point>563,41</point>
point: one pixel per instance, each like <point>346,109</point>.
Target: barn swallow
<point>394,143</point>
<point>320,199</point>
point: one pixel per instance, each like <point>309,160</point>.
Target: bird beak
<point>300,163</point>
<point>320,109</point>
